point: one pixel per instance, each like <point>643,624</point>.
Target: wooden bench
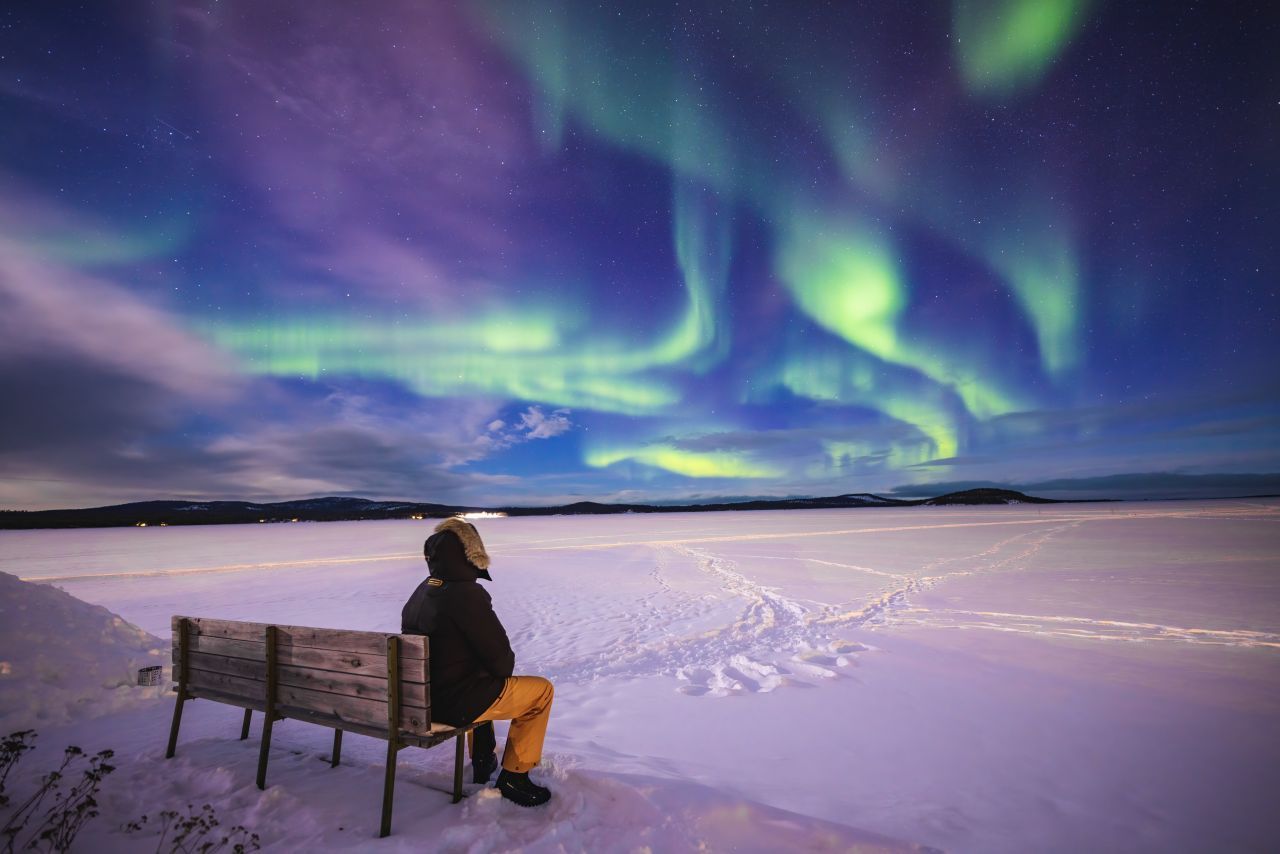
<point>364,682</point>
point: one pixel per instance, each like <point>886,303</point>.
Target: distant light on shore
<point>482,514</point>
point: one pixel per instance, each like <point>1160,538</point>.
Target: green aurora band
<point>531,354</point>
<point>642,103</point>
<point>729,464</point>
<point>849,284</point>
<point>591,71</point>
<point>832,377</point>
<point>1005,46</point>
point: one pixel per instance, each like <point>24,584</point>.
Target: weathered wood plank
<point>254,651</point>
<point>353,710</point>
<point>231,629</point>
<point>242,667</point>
<point>360,710</point>
<point>362,664</point>
<point>346,640</point>
<point>334,722</point>
<point>435,735</point>
<point>214,696</point>
<point>369,687</point>
<point>230,686</point>
<point>357,663</point>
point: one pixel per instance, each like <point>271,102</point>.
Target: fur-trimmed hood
<point>472,545</point>
<point>459,557</point>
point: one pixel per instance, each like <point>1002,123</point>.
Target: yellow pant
<point>526,702</point>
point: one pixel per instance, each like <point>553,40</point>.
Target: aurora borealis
<point>483,251</point>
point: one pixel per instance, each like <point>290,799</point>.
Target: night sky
<point>498,252</point>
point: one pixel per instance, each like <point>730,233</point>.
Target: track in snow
<point>771,639</point>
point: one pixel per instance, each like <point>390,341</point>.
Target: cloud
<point>537,424</point>
<point>341,444</point>
<point>273,442</point>
<point>533,423</point>
<point>111,397</point>
<point>50,309</point>
<point>89,370</point>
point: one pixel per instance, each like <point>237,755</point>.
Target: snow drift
<point>63,660</point>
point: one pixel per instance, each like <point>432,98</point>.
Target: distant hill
<point>223,513</point>
<point>835,501</point>
<point>335,509</point>
<point>986,496</point>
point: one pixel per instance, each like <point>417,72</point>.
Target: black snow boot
<point>518,788</point>
<point>482,768</point>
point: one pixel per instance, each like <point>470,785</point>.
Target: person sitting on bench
<point>472,662</point>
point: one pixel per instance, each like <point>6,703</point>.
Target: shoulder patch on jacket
<point>435,582</point>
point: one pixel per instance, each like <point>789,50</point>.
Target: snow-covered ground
<point>1052,678</point>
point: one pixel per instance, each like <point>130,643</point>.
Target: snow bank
<point>68,663</point>
<point>63,660</point>
<point>309,806</point>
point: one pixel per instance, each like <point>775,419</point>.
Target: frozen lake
<point>1062,677</point>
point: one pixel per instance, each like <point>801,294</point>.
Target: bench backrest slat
<point>363,664</point>
<point>343,640</point>
<point>414,693</point>
<point>333,675</point>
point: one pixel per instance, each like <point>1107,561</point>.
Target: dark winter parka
<point>469,653</point>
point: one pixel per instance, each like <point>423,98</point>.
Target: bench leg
<point>457,768</point>
<point>337,749</point>
<point>244,727</point>
<point>173,728</point>
<point>388,788</point>
<point>264,750</point>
